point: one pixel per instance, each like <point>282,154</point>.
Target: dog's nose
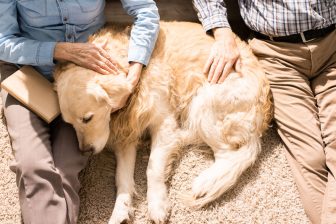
<point>87,150</point>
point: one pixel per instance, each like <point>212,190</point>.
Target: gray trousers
<point>47,162</point>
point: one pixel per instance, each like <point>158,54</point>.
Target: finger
<point>218,71</point>
<point>114,64</point>
<point>104,44</point>
<point>90,59</point>
<point>113,71</point>
<point>97,59</point>
<point>103,53</point>
<point>238,65</point>
<point>208,64</point>
<point>101,63</point>
<point>226,71</point>
<point>213,68</point>
<point>106,64</point>
<point>97,68</point>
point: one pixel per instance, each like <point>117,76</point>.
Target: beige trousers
<point>303,84</point>
<point>47,162</point>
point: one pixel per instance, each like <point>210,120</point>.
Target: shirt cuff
<point>215,21</point>
<point>139,54</point>
<point>45,53</point>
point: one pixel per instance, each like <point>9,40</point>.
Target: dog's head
<point>86,101</point>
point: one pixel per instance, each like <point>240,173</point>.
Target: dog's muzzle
<point>87,150</point>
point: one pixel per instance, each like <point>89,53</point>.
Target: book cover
<point>34,91</point>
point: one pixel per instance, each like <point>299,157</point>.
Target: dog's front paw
<point>120,216</point>
<point>122,212</point>
<point>158,209</point>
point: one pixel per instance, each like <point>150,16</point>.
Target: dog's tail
<point>223,174</point>
<point>228,119</point>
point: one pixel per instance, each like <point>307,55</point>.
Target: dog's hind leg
<point>228,122</point>
<point>123,210</point>
<point>165,144</point>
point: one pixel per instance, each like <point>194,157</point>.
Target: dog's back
<point>175,76</point>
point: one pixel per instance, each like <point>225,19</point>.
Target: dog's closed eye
<point>87,118</point>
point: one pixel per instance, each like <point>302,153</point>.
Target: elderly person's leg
<point>69,162</point>
<point>324,87</point>
<point>44,197</point>
<point>296,114</point>
<point>326,99</point>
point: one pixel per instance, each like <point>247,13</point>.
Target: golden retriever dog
<point>176,105</point>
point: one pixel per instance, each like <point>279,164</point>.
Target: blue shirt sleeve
<point>16,49</point>
<point>145,29</point>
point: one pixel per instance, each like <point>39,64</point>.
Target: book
<point>34,91</point>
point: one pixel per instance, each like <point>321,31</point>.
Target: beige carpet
<point>265,193</point>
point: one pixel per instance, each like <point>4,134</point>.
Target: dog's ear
<point>117,88</point>
<point>98,92</point>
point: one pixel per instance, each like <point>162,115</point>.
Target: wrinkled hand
<point>134,73</point>
<point>87,55</point>
<point>223,56</point>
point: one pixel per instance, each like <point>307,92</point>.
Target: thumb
<point>238,65</point>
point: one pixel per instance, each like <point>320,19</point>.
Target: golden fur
<point>176,104</point>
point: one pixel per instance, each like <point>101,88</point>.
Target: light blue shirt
<point>29,29</point>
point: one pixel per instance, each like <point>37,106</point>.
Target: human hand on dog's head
<point>88,55</point>
<point>224,56</point>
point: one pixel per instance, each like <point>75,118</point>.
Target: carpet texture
<point>266,192</point>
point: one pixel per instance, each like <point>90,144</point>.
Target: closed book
<point>34,91</point>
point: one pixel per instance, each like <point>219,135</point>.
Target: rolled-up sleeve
<point>211,13</point>
<point>16,49</point>
<point>145,29</point>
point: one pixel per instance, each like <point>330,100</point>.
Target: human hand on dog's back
<point>87,55</point>
<point>223,57</point>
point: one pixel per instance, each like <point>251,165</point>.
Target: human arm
<point>15,48</point>
<point>224,53</point>
<point>144,33</point>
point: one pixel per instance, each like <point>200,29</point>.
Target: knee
<point>314,161</point>
<point>330,146</point>
<point>34,169</point>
